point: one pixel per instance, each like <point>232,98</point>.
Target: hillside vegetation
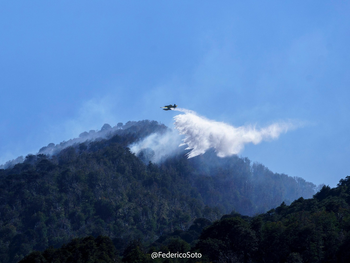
<point>309,230</point>
<point>100,188</point>
<point>314,230</point>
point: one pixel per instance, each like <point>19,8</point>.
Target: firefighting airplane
<point>169,107</point>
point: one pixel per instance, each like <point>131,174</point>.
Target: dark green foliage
<point>79,250</point>
<point>34,257</point>
<point>323,193</point>
<point>101,188</point>
<point>309,230</point>
<point>199,224</point>
<point>134,253</point>
<point>228,239</point>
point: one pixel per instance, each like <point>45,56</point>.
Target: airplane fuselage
<point>169,107</point>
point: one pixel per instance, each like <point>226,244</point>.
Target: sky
<point>71,66</point>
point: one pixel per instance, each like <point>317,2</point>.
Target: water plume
<point>201,134</point>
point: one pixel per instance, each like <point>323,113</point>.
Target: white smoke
<point>202,134</point>
<point>163,145</point>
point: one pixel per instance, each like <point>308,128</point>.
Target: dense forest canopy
<point>309,230</point>
<point>98,187</point>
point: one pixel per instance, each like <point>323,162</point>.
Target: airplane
<point>169,107</point>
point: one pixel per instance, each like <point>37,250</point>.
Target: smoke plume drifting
<point>158,146</point>
<point>201,134</point>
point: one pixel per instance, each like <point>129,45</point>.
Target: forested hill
<point>100,188</point>
<point>312,230</point>
<point>129,131</point>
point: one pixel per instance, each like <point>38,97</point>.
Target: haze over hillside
<point>105,132</point>
<point>100,187</point>
<point>196,132</point>
<point>259,92</point>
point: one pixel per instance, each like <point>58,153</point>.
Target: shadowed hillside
<point>309,230</point>
<point>100,188</point>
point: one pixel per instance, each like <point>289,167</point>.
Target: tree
<point>229,238</point>
<point>134,253</point>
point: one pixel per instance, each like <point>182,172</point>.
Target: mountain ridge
<point>100,188</point>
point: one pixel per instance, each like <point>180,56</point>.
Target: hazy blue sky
<point>71,66</point>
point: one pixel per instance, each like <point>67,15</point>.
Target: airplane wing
<point>168,107</point>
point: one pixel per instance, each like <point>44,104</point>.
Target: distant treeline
<point>99,188</point>
<point>314,230</point>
